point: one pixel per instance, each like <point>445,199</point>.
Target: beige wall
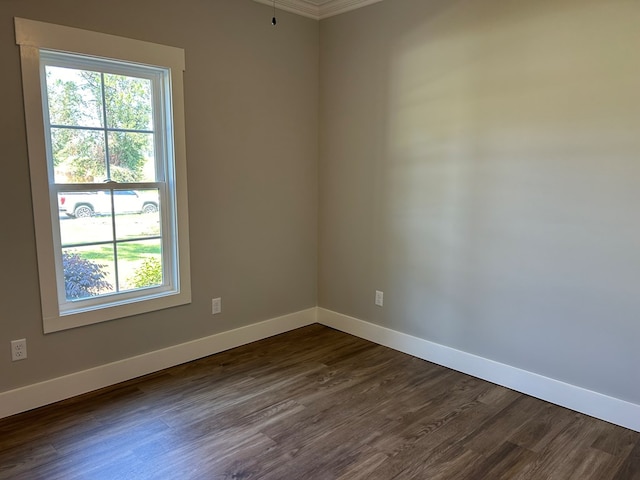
<point>251,95</point>
<point>480,163</point>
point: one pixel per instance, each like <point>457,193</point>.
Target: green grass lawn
<point>131,255</point>
<point>127,252</point>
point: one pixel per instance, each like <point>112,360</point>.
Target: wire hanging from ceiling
<point>274,21</point>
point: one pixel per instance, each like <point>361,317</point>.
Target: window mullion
<point>115,243</point>
<point>100,129</point>
<point>92,187</point>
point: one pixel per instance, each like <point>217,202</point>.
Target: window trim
<point>33,36</point>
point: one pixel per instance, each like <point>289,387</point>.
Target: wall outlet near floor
<point>379,298</point>
<point>18,349</point>
<point>216,305</point>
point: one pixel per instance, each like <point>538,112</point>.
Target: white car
<point>88,204</point>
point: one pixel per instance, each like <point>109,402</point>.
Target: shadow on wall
<point>505,190</point>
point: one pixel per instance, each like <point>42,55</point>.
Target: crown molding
<point>336,7</point>
<point>318,9</point>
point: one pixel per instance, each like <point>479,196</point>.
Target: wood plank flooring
<point>312,404</point>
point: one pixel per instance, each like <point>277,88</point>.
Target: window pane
<point>88,271</point>
<point>128,102</point>
<point>139,264</point>
<point>78,155</point>
<point>131,157</point>
<point>75,97</point>
<point>85,217</point>
<point>85,204</point>
<point>137,214</point>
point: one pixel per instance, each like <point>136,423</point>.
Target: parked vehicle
<point>88,204</point>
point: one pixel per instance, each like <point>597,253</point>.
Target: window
<point>105,133</point>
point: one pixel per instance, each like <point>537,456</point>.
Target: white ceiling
<point>318,9</point>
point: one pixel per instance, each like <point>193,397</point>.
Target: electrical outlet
<point>18,349</point>
<point>216,306</point>
<point>379,298</point>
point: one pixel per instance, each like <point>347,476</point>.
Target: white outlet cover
<point>216,306</point>
<point>379,298</point>
<point>18,349</point>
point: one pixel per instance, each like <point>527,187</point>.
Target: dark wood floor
<point>312,404</point>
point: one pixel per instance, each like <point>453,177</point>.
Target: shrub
<point>82,277</point>
<point>148,274</point>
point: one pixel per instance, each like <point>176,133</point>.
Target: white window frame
<point>34,37</point>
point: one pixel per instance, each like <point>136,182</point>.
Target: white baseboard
<point>50,391</point>
<point>570,396</point>
<point>585,401</point>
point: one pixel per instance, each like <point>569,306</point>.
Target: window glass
<point>74,97</point>
<point>128,102</point>
<point>131,156</point>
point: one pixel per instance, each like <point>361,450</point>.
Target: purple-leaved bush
<point>82,277</point>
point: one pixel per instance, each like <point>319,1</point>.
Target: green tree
<point>80,98</point>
